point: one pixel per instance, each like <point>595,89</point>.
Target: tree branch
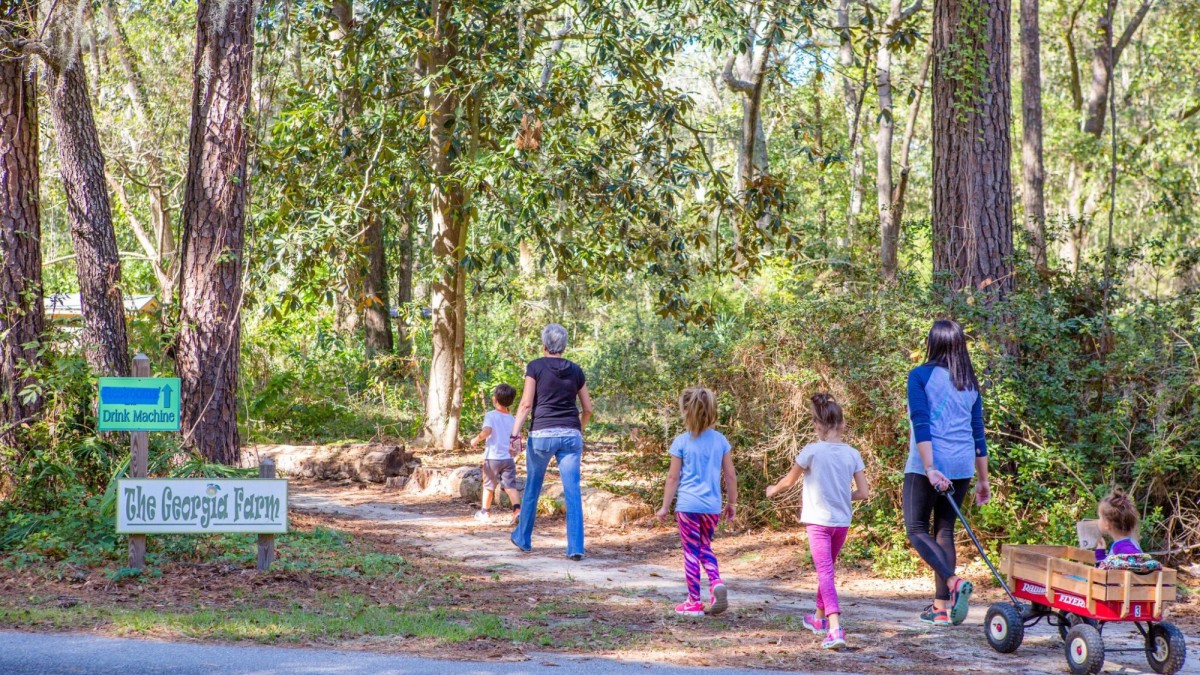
<point>908,12</point>
<point>35,47</point>
<point>740,86</point>
<point>555,48</point>
<point>1134,23</point>
<point>1073,59</point>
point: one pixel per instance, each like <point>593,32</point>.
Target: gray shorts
<point>502,471</point>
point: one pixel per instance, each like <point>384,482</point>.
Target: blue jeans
<point>567,451</point>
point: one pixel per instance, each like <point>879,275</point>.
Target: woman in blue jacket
<point>946,448</point>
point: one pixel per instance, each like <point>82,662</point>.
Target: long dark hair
<point>946,346</point>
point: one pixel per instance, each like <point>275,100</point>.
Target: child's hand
<point>772,490</point>
<point>662,515</point>
<point>730,511</point>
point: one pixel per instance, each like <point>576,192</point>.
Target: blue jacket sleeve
<point>918,405</point>
<point>977,427</point>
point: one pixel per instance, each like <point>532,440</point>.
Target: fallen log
<point>362,463</point>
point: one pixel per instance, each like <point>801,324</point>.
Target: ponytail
<point>826,411</point>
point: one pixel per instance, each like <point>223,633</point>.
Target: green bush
<point>1086,403</point>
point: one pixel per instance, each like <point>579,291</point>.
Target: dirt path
<point>766,573</point>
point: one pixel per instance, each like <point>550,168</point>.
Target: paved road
<point>77,654</point>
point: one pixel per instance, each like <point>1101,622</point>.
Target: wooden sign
<point>201,505</point>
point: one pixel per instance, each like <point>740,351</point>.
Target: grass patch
<point>333,618</point>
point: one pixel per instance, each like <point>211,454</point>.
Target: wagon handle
<point>948,493</point>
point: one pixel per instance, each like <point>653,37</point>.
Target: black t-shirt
<point>558,384</point>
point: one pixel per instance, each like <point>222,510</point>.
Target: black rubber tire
<point>1004,627</point>
<point>1084,649</point>
<point>1166,649</point>
<point>1072,620</point>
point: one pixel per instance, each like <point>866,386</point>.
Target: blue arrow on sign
<point>166,395</point>
<point>129,395</point>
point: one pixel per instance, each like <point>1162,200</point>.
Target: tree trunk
<point>1083,193</point>
<point>214,215</point>
<point>449,220</point>
<point>367,270</point>
<point>377,321</point>
<point>972,185</point>
<point>1033,173</point>
<point>851,100</point>
<point>22,316</point>
<point>82,165</point>
<point>161,248</point>
<point>404,273</point>
<point>889,227</point>
<point>909,130</point>
<point>749,83</point>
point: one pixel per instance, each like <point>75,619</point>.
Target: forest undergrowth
<point>1088,401</point>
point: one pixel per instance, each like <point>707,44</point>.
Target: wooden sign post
<point>266,542</point>
<point>139,449</point>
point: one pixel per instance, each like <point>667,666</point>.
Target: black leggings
<point>934,541</point>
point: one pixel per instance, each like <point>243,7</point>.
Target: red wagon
<point>1062,585</point>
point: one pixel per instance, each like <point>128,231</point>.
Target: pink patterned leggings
<point>696,532</point>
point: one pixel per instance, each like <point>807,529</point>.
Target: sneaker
<point>835,639</point>
<point>519,547</point>
<point>576,557</point>
<point>960,599</point>
<point>516,516</point>
<point>718,600</point>
<point>690,608</point>
<point>483,516</point>
<point>818,626</point>
<point>936,617</point>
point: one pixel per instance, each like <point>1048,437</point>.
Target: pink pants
<point>696,533</point>
<point>825,543</point>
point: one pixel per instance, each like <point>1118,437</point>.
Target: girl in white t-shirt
<point>828,466</point>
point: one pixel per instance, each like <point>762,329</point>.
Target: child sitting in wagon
<point>1119,521</point>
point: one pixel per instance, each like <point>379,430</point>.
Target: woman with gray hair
<point>552,384</point>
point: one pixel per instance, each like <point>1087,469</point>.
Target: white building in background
<point>69,308</point>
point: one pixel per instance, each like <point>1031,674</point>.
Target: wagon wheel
<point>1166,649</point>
<point>1068,620</point>
<point>1084,649</point>
<point>1004,627</point>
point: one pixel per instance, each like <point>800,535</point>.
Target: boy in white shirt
<point>499,468</point>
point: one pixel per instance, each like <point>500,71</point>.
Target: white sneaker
<point>483,516</point>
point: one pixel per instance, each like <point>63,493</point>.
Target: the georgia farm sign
<point>201,506</point>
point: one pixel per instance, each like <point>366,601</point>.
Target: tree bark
<point>82,164</point>
<point>214,215</point>
<point>161,249</point>
<point>1033,173</point>
<point>449,220</point>
<point>22,316</point>
<point>972,185</point>
<point>367,269</point>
